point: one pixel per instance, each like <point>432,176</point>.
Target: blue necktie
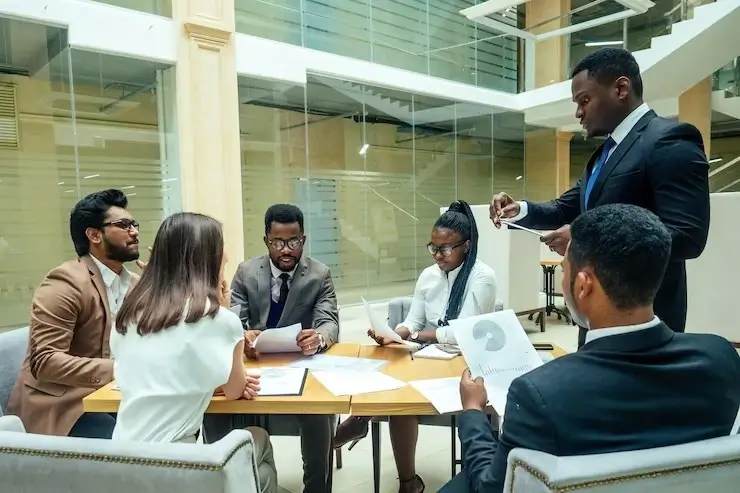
<point>608,145</point>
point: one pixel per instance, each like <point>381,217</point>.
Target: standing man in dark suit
<point>633,373</point>
<point>280,289</point>
<point>646,160</point>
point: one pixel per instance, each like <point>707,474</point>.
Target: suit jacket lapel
<point>97,279</point>
<point>619,152</point>
<point>264,279</point>
<point>296,285</point>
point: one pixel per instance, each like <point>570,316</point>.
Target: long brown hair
<point>184,269</point>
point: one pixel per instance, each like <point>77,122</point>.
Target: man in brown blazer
<point>280,289</point>
<point>72,310</point>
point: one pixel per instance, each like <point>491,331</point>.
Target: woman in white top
<point>457,286</point>
<point>176,342</point>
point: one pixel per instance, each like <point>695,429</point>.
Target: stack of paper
<point>356,383</point>
<point>282,380</point>
<point>433,352</point>
<point>443,393</point>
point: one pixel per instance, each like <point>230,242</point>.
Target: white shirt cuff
<point>523,210</point>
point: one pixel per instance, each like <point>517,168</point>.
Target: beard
<point>120,253</point>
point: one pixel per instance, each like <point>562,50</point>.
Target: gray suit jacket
<point>311,301</point>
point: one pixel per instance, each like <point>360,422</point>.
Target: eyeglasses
<point>446,250</point>
<point>124,224</point>
<point>292,244</point>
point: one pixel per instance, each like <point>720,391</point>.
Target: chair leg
<point>339,458</point>
<point>375,431</point>
<point>453,428</point>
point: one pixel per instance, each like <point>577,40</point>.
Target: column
<point>547,151</point>
<point>695,104</point>
<point>207,107</point>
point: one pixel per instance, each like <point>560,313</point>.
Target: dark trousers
<point>94,425</point>
<point>458,484</point>
<point>315,431</point>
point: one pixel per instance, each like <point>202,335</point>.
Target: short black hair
<point>283,214</point>
<point>90,212</point>
<point>608,64</point>
<point>627,247</point>
<point>459,218</point>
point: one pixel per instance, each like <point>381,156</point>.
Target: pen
<point>411,353</point>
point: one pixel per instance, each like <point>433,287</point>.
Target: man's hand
<point>381,341</point>
<point>249,337</point>
<point>308,341</point>
<point>503,206</point>
<point>558,240</point>
<point>252,388</point>
<point>142,265</point>
<point>472,392</point>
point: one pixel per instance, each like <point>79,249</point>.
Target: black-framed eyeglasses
<point>446,250</point>
<point>292,244</point>
<point>124,224</point>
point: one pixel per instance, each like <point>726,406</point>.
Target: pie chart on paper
<point>490,334</point>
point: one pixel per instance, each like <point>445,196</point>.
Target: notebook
<point>433,352</point>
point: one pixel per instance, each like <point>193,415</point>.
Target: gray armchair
<point>13,346</point>
<point>39,463</point>
<point>706,466</point>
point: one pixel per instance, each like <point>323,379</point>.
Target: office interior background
<point>370,164</point>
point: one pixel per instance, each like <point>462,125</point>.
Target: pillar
<point>547,151</point>
<point>207,107</point>
<point>695,104</point>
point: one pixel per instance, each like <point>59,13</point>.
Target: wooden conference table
<point>316,399</point>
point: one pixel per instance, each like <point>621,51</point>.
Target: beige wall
<point>38,181</point>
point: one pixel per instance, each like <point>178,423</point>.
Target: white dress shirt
<point>620,133</point>
<point>276,283</point>
<point>592,335</point>
<point>432,294</point>
<point>116,286</point>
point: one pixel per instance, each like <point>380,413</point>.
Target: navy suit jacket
<point>660,166</point>
<point>632,391</point>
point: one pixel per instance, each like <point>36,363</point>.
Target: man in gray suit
<point>280,289</point>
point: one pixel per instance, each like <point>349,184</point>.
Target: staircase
<point>674,62</point>
<point>726,103</point>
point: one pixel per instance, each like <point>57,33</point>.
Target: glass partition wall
<point>370,168</point>
<point>71,123</point>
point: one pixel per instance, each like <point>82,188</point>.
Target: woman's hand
<point>252,388</point>
<point>382,341</point>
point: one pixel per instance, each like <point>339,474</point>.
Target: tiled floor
<point>433,450</point>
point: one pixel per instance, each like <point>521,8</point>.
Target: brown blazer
<point>68,353</point>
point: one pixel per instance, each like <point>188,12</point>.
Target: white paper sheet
<point>512,224</point>
<point>381,329</point>
<point>356,383</point>
<point>282,380</point>
<point>443,393</point>
<point>496,348</point>
<point>338,364</point>
<point>278,340</point>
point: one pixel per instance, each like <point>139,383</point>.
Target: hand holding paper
<point>380,327</point>
<point>278,340</point>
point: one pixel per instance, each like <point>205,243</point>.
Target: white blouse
<point>433,292</point>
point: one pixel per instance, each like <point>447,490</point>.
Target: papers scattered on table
<point>356,383</point>
<point>338,364</point>
<point>283,380</point>
<point>443,393</point>
<point>433,352</point>
<point>278,340</point>
<point>496,348</point>
<point>381,329</point>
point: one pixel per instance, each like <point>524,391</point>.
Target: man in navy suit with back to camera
<point>646,160</point>
<point>635,384</point>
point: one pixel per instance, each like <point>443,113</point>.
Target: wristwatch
<point>414,336</point>
<point>322,342</point>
